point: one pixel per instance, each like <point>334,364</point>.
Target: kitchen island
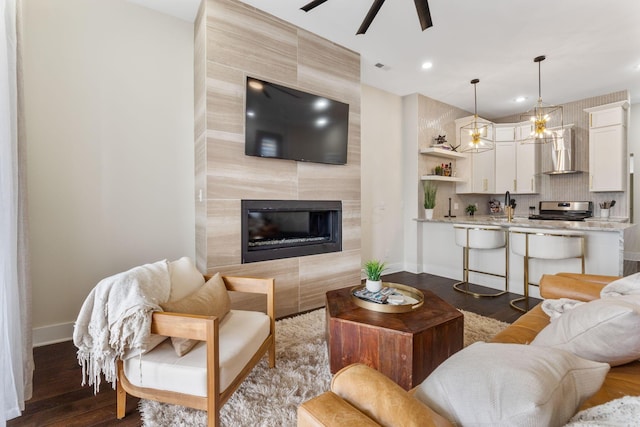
<point>438,254</point>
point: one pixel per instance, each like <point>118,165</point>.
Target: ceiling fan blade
<point>375,7</point>
<point>422,7</point>
<point>307,7</point>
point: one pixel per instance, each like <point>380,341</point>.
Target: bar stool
<point>470,236</point>
<point>544,244</point>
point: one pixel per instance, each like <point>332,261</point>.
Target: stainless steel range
<point>564,211</point>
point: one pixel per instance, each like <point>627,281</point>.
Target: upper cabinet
<point>608,147</point>
<point>515,162</point>
<point>477,170</point>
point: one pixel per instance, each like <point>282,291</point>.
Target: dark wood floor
<point>60,400</point>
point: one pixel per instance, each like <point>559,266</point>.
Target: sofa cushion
<point>185,278</point>
<point>604,330</point>
<point>212,299</point>
<point>511,384</point>
<point>629,285</point>
<point>241,335</point>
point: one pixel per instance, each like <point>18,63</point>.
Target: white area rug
<point>270,397</point>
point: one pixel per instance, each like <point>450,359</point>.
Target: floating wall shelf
<point>439,152</point>
<point>441,178</point>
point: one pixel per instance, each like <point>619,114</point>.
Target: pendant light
<point>476,136</point>
<point>542,117</point>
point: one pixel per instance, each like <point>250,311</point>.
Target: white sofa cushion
<point>604,330</point>
<point>241,335</point>
<point>495,384</point>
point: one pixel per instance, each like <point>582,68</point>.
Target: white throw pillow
<point>185,278</point>
<point>495,384</point>
<point>604,330</point>
<point>629,285</point>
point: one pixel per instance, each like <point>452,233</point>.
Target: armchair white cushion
<point>241,334</point>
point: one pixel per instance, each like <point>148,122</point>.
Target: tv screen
<point>290,124</point>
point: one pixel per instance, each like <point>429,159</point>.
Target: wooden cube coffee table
<point>406,347</point>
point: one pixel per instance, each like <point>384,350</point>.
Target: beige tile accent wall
<point>239,41</point>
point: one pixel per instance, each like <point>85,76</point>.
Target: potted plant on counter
<point>471,209</point>
<point>430,190</point>
<point>373,270</point>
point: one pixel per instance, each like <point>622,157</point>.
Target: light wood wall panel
<point>242,41</point>
<point>351,225</point>
<point>286,273</point>
<point>329,69</point>
<point>223,233</point>
<point>232,175</point>
<point>250,40</point>
<point>225,98</point>
<point>325,272</point>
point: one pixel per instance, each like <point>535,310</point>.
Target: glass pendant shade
<point>476,136</point>
<point>544,117</point>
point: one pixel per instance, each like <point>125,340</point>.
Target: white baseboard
<point>52,334</point>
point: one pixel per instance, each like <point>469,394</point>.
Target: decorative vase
<point>428,213</point>
<point>374,285</point>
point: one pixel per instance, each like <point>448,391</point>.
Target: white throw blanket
<point>555,307</point>
<point>622,412</point>
<point>115,319</point>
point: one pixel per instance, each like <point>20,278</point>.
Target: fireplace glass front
<point>275,229</point>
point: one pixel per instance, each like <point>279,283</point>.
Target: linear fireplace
<point>275,229</point>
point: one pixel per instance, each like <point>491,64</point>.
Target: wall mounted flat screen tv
<point>290,124</point>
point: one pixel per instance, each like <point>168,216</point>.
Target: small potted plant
<point>471,209</point>
<point>430,191</point>
<point>373,270</point>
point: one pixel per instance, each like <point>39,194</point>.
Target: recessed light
<point>521,99</point>
<point>427,65</point>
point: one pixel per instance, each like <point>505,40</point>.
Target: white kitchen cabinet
<point>505,166</point>
<point>515,162</point>
<point>608,147</point>
<point>505,133</point>
<point>526,167</point>
<point>477,170</point>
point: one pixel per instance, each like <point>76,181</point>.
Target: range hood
<point>563,153</point>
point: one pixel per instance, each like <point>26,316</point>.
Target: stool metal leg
<point>466,270</point>
<point>525,298</point>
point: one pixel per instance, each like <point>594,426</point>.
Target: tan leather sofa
<point>390,405</point>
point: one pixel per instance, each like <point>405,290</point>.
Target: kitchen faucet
<point>507,206</point>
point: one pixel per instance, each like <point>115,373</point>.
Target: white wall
<point>381,177</point>
<point>109,126</point>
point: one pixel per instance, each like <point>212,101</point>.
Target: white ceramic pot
<point>428,213</point>
<point>374,285</point>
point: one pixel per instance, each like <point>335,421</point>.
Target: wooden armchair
<point>210,397</point>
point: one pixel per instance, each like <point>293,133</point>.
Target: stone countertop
<point>592,224</point>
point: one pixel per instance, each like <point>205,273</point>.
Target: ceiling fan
<point>422,7</point>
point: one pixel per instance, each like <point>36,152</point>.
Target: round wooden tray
<point>391,308</point>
